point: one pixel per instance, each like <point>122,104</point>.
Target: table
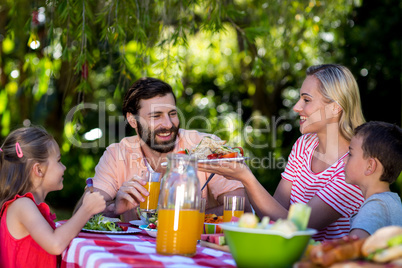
<point>94,250</point>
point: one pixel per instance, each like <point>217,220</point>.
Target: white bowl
<point>150,232</point>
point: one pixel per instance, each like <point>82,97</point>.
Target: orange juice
<point>228,214</point>
<point>178,231</point>
<point>151,201</point>
<point>202,219</point>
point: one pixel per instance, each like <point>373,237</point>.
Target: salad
<point>101,223</point>
<point>153,222</point>
<point>297,220</point>
<point>209,148</point>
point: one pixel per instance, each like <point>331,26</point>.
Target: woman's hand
<point>231,170</point>
<point>130,195</point>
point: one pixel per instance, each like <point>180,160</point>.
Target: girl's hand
<point>231,170</point>
<point>130,195</point>
<point>93,203</point>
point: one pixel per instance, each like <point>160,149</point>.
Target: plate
<point>137,222</point>
<point>130,230</point>
<point>217,160</point>
<point>150,232</point>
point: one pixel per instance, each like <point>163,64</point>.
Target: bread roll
<point>379,240</point>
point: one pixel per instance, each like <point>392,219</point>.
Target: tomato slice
<point>239,149</point>
<point>212,156</point>
<point>229,155</point>
<point>122,226</point>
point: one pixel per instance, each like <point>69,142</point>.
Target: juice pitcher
<point>178,208</point>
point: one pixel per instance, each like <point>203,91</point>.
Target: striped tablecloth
<point>95,250</point>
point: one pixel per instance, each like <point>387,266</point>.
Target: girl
<point>329,109</point>
<point>30,168</point>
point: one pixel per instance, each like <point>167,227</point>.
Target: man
<point>150,108</point>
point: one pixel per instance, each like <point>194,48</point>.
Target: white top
<point>329,185</point>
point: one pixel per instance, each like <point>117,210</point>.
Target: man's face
<point>158,123</point>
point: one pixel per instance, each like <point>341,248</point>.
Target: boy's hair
<point>20,151</point>
<point>143,89</point>
<point>337,84</point>
<point>383,141</point>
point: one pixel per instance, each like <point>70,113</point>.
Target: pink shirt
<point>121,161</point>
<point>329,185</point>
<point>24,252</point>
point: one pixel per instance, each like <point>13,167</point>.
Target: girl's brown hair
<point>20,151</point>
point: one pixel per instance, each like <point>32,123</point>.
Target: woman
<point>329,109</point>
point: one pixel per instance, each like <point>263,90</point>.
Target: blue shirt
<point>379,210</point>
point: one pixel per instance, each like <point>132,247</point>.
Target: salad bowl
<point>256,247</point>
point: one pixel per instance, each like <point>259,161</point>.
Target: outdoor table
<point>96,250</point>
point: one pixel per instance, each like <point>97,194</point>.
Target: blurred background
<point>236,67</point>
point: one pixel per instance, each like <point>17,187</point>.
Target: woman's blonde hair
<point>337,84</point>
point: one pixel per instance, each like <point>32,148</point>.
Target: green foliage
<point>235,67</point>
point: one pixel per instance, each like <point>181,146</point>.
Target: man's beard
<point>149,137</point>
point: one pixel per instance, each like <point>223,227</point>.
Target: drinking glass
<point>149,206</point>
<point>233,206</point>
<point>202,215</point>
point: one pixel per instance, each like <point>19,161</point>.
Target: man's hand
<point>130,195</point>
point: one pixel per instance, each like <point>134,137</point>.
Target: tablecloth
<point>93,250</point>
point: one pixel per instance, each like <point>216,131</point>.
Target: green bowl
<point>264,247</point>
<point>212,228</point>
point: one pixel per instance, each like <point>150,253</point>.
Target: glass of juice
<point>233,206</point>
<point>149,206</point>
<point>202,215</point>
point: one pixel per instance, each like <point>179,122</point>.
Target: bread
<point>379,240</point>
<point>389,254</point>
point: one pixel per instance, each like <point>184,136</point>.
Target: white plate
<point>137,222</point>
<point>150,232</point>
<point>217,160</point>
<point>130,230</point>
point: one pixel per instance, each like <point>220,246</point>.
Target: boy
<point>373,163</point>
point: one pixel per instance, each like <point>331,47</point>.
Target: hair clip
<point>18,150</point>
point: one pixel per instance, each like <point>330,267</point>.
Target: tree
<point>235,66</point>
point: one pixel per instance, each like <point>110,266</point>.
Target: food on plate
<point>385,245</point>
<point>101,223</point>
<point>337,250</point>
<point>153,222</point>
<point>381,249</point>
<point>152,226</point>
<point>209,148</point>
<point>218,239</point>
<point>213,218</point>
<point>248,220</point>
<point>123,226</point>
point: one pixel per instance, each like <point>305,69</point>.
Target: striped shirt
<point>329,185</point>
